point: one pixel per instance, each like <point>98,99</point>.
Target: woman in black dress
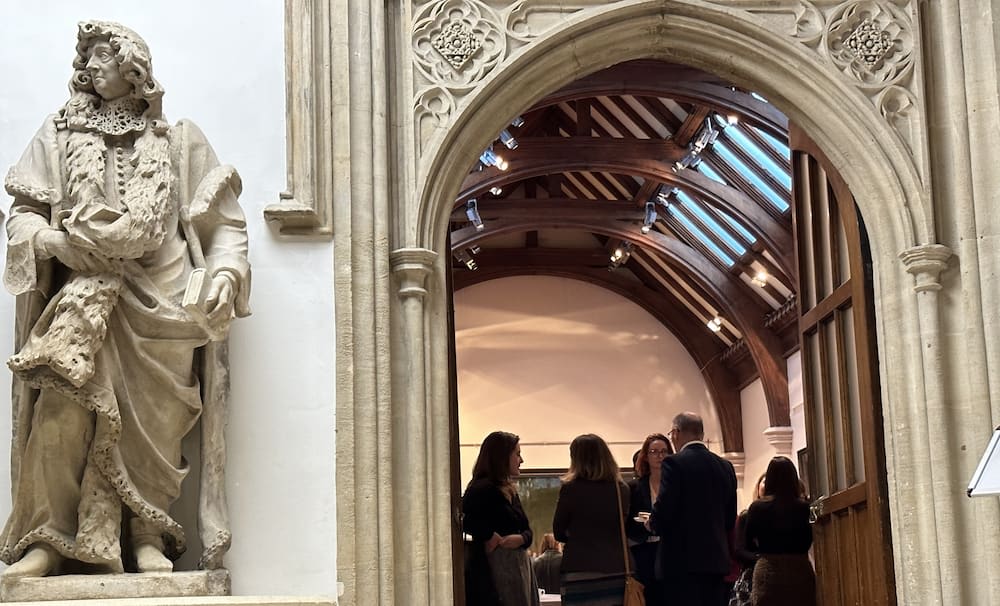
<point>498,569</point>
<point>777,526</point>
<point>643,492</point>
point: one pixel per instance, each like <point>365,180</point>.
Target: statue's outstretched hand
<point>219,303</point>
<point>54,243</point>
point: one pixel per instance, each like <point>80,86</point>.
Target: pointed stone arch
<point>864,148</point>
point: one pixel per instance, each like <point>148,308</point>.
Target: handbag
<point>742,588</point>
<point>633,588</point>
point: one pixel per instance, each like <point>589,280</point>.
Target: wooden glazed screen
<point>846,475</point>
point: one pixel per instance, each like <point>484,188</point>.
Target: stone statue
<point>127,251</point>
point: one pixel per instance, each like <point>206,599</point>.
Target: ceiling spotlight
<point>706,136</point>
<point>490,158</point>
<point>685,162</point>
<point>496,190</point>
<point>732,119</point>
<point>472,212</point>
<point>508,139</point>
<point>620,255</point>
<point>517,122</point>
<point>464,257</point>
<point>715,324</point>
<point>650,218</point>
<point>760,279</point>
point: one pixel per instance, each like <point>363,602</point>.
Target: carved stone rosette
<point>458,43</point>
<point>871,42</point>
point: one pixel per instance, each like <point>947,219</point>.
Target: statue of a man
<point>128,252</point>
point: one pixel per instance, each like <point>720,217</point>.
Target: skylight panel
<point>702,237</point>
<point>778,172</point>
<point>696,209</point>
<point>737,227</point>
<point>772,196</point>
<point>779,146</point>
<point>709,172</point>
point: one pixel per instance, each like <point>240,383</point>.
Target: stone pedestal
<point>105,587</point>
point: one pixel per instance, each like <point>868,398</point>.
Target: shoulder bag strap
<point>621,524</point>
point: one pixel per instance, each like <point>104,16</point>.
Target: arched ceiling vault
<point>676,182</point>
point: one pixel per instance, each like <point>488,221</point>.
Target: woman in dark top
<point>778,528</point>
<point>744,554</point>
<point>643,491</point>
<point>588,519</point>
<point>498,569</point>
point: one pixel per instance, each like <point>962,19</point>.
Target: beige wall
<point>551,358</point>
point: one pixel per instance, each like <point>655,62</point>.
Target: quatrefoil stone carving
<point>457,43</point>
<point>869,43</point>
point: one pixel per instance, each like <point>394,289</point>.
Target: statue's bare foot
<point>38,561</point>
<point>150,559</point>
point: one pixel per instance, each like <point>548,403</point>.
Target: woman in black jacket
<point>588,520</point>
<point>778,527</point>
<point>498,569</point>
<point>643,491</point>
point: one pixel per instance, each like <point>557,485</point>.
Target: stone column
<point>780,438</point>
<point>357,162</point>
<point>413,525</point>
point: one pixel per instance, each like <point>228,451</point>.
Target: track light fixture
<point>491,158</point>
<point>464,257</point>
<point>620,255</point>
<point>508,139</point>
<point>496,190</point>
<point>472,212</point>
<point>760,279</point>
<point>715,324</point>
<point>706,137</point>
<point>517,122</point>
<point>650,218</point>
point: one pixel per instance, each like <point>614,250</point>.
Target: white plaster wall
<point>551,358</point>
<point>755,445</point>
<point>221,64</point>
<point>755,420</point>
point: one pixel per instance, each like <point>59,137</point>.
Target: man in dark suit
<point>693,514</point>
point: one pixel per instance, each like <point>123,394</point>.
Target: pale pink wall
<point>550,358</point>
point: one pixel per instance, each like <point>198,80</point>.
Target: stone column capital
<point>739,461</point>
<point>926,262</point>
<point>412,265</point>
<point>780,437</point>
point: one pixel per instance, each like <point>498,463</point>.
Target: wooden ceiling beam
<point>552,209</point>
<point>633,78</point>
<point>691,125</point>
<point>561,154</point>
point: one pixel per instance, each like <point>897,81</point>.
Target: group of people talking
<point>674,527</point>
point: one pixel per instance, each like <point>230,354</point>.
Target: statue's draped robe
<point>85,455</point>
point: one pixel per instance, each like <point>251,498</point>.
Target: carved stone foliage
<point>458,43</point>
<point>871,42</point>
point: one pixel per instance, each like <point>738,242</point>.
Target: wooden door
<point>457,543</point>
<point>846,456</point>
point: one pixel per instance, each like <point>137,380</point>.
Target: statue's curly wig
<point>135,65</point>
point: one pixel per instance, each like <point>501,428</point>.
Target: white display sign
<point>986,480</point>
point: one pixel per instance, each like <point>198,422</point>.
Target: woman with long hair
<point>643,492</point>
<point>588,521</point>
<point>499,569</point>
<point>777,525</point>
